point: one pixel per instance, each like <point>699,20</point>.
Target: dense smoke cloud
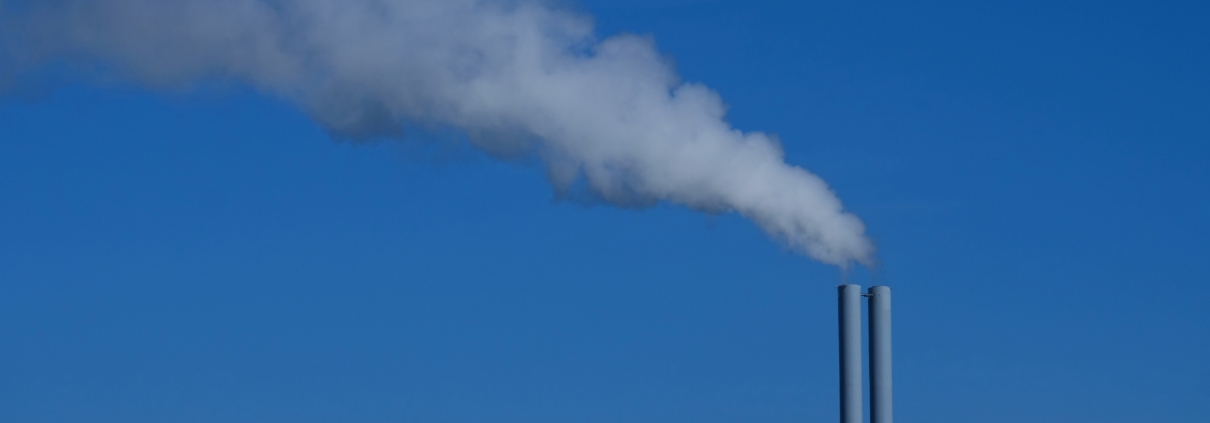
<point>609,115</point>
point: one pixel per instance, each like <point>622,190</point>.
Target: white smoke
<point>515,76</point>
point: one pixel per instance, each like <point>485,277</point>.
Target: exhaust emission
<point>609,118</point>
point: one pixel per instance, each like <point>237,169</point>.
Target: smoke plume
<point>517,77</point>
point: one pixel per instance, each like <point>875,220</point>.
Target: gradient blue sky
<point>1035,174</point>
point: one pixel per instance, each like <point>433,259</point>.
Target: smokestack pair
<point>850,353</point>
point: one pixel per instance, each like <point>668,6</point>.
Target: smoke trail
<point>611,115</point>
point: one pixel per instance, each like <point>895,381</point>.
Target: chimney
<point>850,353</point>
<point>880,354</point>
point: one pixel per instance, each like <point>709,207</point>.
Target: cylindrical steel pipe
<point>880,354</point>
<point>850,353</point>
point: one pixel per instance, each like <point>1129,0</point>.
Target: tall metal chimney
<point>850,353</point>
<point>880,354</point>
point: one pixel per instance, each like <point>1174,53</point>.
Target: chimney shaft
<point>850,353</point>
<point>880,354</point>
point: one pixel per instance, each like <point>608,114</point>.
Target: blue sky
<point>1034,174</point>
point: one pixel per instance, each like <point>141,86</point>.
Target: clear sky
<point>1035,175</point>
